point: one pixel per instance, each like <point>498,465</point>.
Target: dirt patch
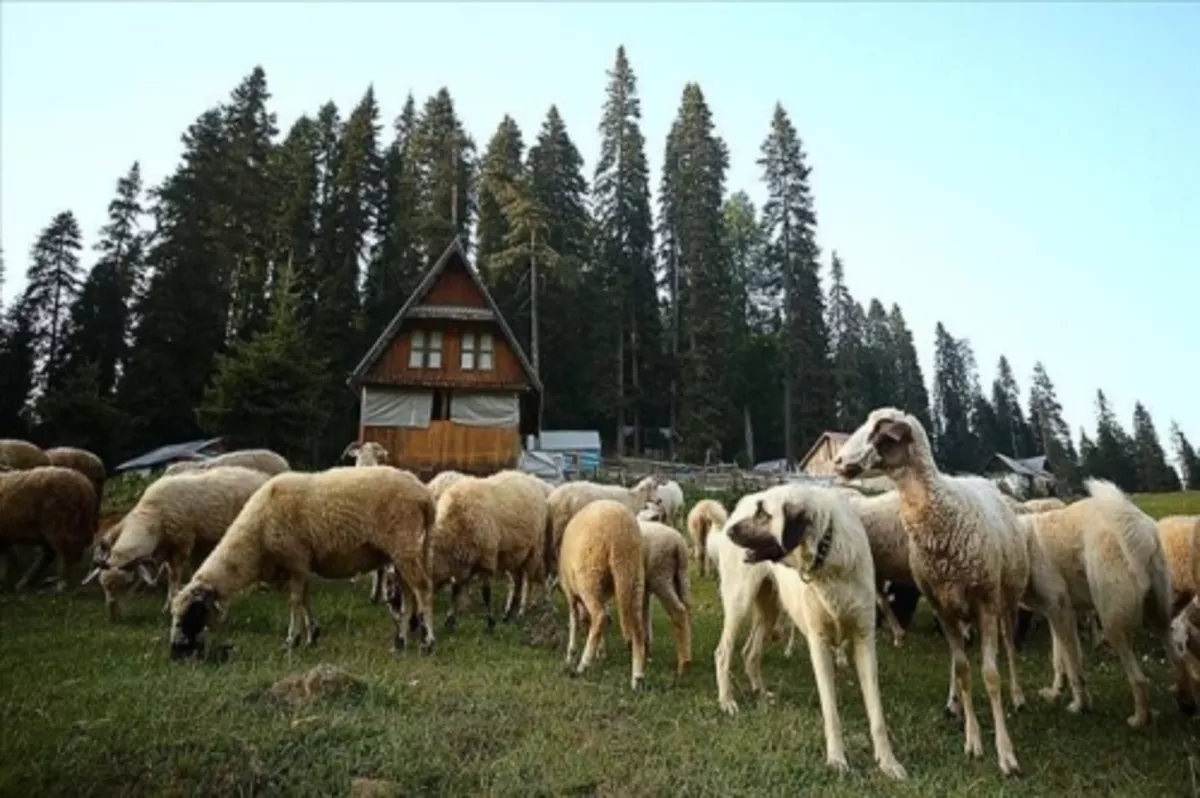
<point>321,681</point>
<point>374,788</point>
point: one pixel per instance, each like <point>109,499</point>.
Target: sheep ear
<point>897,431</point>
<point>795,525</point>
<point>351,450</point>
<point>91,577</point>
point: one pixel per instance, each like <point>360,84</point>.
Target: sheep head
<point>653,511</point>
<point>370,454</point>
<point>882,442</point>
<point>195,608</point>
<point>769,528</point>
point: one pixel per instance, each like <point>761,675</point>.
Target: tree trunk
<point>637,385</point>
<point>620,389</point>
<point>749,432</point>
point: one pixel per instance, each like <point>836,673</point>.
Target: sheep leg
<point>681,623</point>
<point>599,616</point>
<point>647,626</point>
<point>518,588</point>
<point>867,666</point>
<point>485,592</point>
<point>376,586</point>
<point>893,623</point>
<point>701,550</point>
<point>297,599</point>
<point>1067,656</point>
<point>1119,639</point>
<point>457,599</point>
<point>41,560</point>
<point>989,631</point>
<point>960,691</point>
<point>572,628</point>
<point>400,604</point>
<point>953,704</point>
<point>1010,650</point>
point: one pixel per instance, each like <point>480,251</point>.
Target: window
<point>477,351</point>
<point>426,350</point>
<point>441,406</point>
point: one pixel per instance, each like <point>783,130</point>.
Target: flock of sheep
<point>792,558</point>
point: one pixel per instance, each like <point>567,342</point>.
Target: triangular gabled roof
<point>384,340</point>
<point>832,435</point>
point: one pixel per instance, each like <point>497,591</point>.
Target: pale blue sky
<point>1027,174</point>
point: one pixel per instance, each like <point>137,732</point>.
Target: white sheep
<point>175,516</point>
<point>1178,534</point>
<point>665,562</point>
<point>569,498</point>
<point>707,516</point>
<point>968,555</point>
<point>334,524</point>
<point>670,495</point>
<point>264,460</point>
<point>444,480</point>
<point>1108,552</point>
<point>370,453</point>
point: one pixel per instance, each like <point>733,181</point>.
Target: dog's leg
<point>868,679</point>
<point>735,605</point>
<point>764,620</point>
<point>820,652</point>
<point>1010,650</point>
<point>791,643</point>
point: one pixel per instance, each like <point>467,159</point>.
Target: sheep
<point>263,460</point>
<point>968,555</point>
<point>601,559</point>
<point>335,524</point>
<point>813,536</point>
<point>1109,554</point>
<point>51,507</point>
<point>486,526</point>
<point>1042,505</point>
<point>665,562</point>
<point>443,480</point>
<point>653,511</point>
<point>174,516</point>
<point>19,455</point>
<point>706,516</point>
<point>85,463</point>
<point>1185,635</point>
<point>671,496</point>
<point>1178,534</point>
<point>569,498</point>
<point>370,454</point>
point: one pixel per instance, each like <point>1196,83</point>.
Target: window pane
<point>435,340</point>
<point>485,342</point>
<point>468,341</point>
<point>468,359</point>
<point>485,360</point>
<point>435,359</point>
<point>418,339</point>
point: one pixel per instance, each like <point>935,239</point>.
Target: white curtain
<point>391,408</point>
<point>485,409</point>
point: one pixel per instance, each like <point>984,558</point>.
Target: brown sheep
<point>1178,534</point>
<point>665,560</point>
<point>601,559</point>
<point>570,497</point>
<point>51,507</point>
<point>19,455</point>
<point>85,463</point>
<point>706,516</point>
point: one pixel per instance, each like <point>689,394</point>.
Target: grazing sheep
<point>569,498</point>
<point>670,495</point>
<point>665,560</point>
<point>1178,534</point>
<point>1042,505</point>
<point>816,534</point>
<point>370,454</point>
<point>1109,554</point>
<point>601,559</point>
<point>707,516</point>
<point>334,524</point>
<point>443,480</point>
<point>51,507</point>
<point>85,463</point>
<point>175,517</point>
<point>653,511</point>
<point>19,455</point>
<point>263,460</point>
<point>968,555</point>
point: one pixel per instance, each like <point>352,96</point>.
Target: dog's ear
<point>891,431</point>
<point>795,525</point>
<point>760,512</point>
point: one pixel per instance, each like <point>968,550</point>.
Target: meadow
<point>92,708</point>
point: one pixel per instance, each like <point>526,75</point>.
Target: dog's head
<point>193,610</point>
<point>770,526</point>
<point>881,443</point>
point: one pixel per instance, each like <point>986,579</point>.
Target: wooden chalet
<point>446,385</point>
<point>818,460</point>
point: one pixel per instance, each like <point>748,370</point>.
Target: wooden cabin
<point>818,460</point>
<point>446,385</point>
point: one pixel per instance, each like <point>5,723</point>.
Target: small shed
<point>446,384</point>
<point>1024,477</point>
<point>163,456</point>
<point>580,449</point>
<point>818,460</point>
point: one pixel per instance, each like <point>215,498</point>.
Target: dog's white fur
<point>832,602</point>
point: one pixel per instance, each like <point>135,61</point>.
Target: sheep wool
<point>665,561</point>
<point>46,506</point>
<point>1179,534</point>
<point>707,516</point>
<point>264,460</point>
<point>84,462</point>
<point>18,455</point>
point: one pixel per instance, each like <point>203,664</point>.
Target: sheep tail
<point>629,585</point>
<point>429,511</point>
<point>549,560</point>
<point>1160,585</point>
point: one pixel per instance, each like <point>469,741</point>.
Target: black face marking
<point>751,534</point>
<point>795,527</point>
<point>848,470</point>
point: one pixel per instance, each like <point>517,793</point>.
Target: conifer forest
<point>234,297</point>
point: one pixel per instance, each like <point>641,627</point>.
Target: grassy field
<point>92,708</point>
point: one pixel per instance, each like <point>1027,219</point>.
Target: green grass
<point>91,708</point>
<point>1158,505</point>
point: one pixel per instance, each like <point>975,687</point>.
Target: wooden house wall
<point>392,367</point>
<point>445,445</point>
<point>454,287</point>
<point>821,462</point>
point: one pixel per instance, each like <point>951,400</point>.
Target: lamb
<point>569,498</point>
<point>706,516</point>
<point>263,460</point>
<point>19,455</point>
<point>1109,554</point>
<point>601,559</point>
<point>670,495</point>
<point>174,517</point>
<point>816,535</point>
<point>1178,534</point>
<point>665,561</point>
<point>85,463</point>
<point>968,555</point>
<point>335,524</point>
<point>51,507</point>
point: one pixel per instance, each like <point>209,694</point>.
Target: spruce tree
<point>504,191</point>
<point>1012,434</point>
<point>445,155</point>
<point>1154,474</point>
<point>624,285</point>
<point>296,173</point>
<point>1189,461</point>
<point>913,395</point>
<point>790,219</point>
<point>1050,430</point>
<point>847,333</point>
<point>953,402</point>
<point>18,361</point>
<point>881,376</point>
<point>1116,460</point>
<point>52,283</point>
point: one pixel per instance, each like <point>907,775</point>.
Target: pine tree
<point>1012,434</point>
<point>18,362</point>
<point>1115,459</point>
<point>913,395</point>
<point>296,173</point>
<point>1189,461</point>
<point>881,381</point>
<point>1089,460</point>
<point>698,276</point>
<point>953,403</point>
<point>1154,474</point>
<point>791,223</point>
<point>1050,430</point>
<point>269,391</point>
<point>624,284</point>
<point>52,283</point>
<point>847,334</point>
<point>445,155</point>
